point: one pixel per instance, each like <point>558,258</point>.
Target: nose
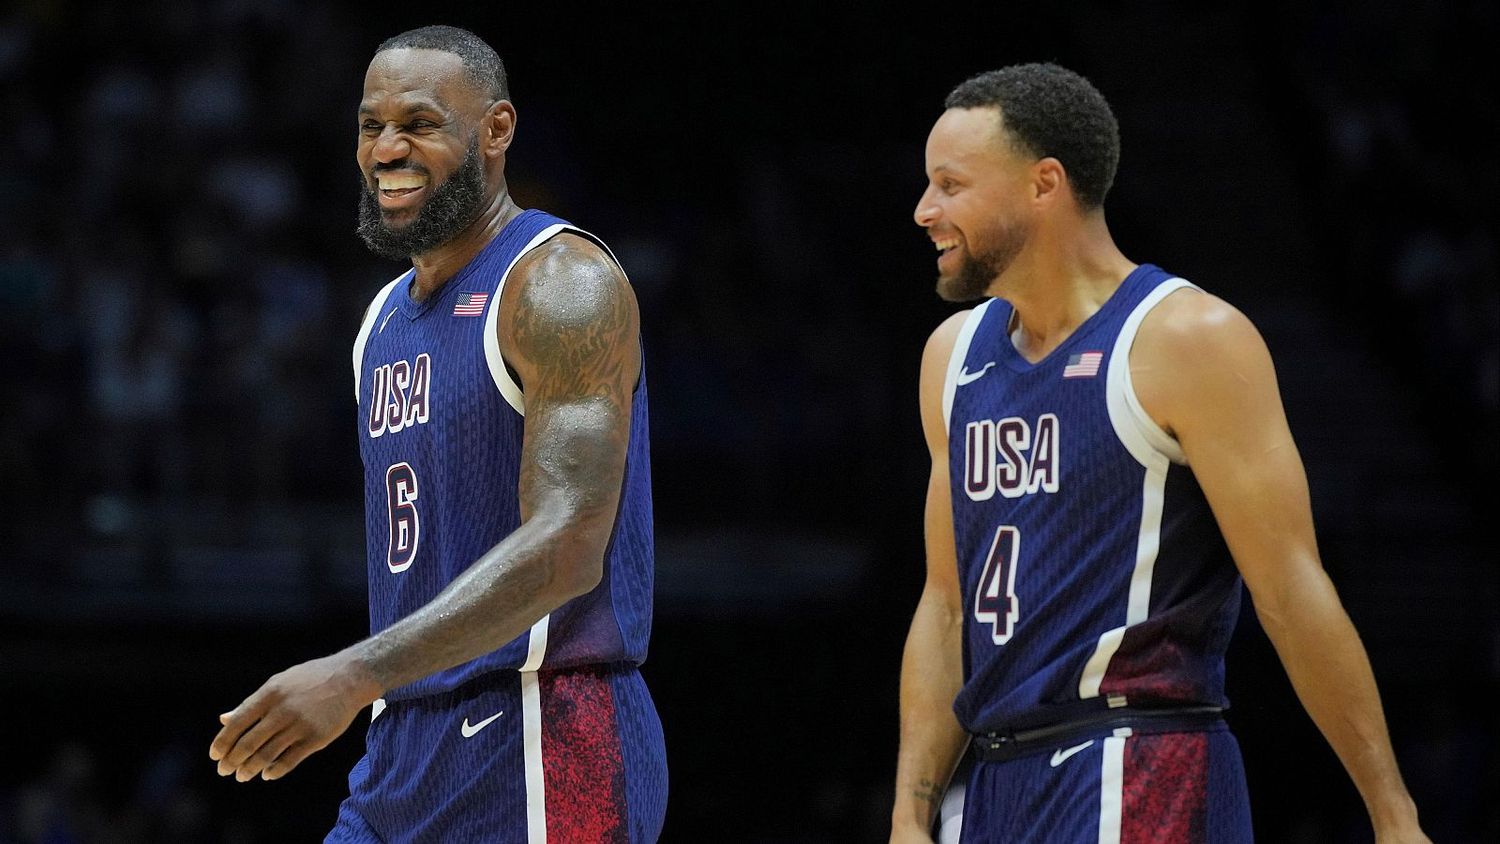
<point>390,146</point>
<point>926,212</point>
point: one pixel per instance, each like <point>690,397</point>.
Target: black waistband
<point>1006,744</point>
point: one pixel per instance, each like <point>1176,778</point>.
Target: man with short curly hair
<point>1110,461</point>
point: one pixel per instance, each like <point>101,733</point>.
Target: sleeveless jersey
<point>1092,571</point>
<point>440,425</point>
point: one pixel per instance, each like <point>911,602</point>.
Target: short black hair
<point>1049,110</point>
<point>481,63</point>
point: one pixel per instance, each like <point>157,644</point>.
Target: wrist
<point>1394,813</point>
<point>907,826</point>
<point>360,675</point>
<point>914,814</point>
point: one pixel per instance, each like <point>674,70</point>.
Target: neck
<point>1062,277</point>
<point>443,262</point>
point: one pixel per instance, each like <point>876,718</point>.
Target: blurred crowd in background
<point>180,285</point>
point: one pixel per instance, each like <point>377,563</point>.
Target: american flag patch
<point>470,304</point>
<point>1085,365</point>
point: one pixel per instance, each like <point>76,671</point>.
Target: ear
<point>500,128</point>
<point>1049,180</point>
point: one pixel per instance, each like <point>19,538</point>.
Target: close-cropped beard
<point>979,271</point>
<point>452,207</point>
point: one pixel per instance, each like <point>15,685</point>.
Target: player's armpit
<point>571,329</point>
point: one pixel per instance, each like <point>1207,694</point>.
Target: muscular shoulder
<point>1194,350</point>
<point>569,309</point>
<point>570,279</point>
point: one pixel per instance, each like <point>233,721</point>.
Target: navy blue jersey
<point>1093,573</point>
<point>440,424</point>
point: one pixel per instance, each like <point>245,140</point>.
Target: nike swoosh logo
<point>469,730</point>
<point>1061,756</point>
<point>967,377</point>
<point>386,320</point>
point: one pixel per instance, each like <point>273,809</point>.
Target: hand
<point>293,715</point>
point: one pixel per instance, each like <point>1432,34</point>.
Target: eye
<point>369,127</point>
<point>948,186</point>
<point>421,125</point>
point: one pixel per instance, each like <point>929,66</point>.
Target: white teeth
<point>400,181</point>
<point>945,245</point>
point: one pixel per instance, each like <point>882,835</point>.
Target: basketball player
<point>1109,458</point>
<point>502,424</point>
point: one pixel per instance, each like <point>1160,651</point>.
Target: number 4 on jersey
<point>995,599</point>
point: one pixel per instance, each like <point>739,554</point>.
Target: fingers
<point>267,754</point>
<point>235,722</point>
<point>254,739</point>
<point>289,759</point>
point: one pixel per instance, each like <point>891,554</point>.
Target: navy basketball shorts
<point>1131,786</point>
<point>514,758</point>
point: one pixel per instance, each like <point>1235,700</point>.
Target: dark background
<point>179,287</point>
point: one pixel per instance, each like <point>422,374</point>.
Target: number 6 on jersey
<point>995,600</point>
<point>406,526</point>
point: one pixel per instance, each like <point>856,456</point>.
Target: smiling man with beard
<point>502,426</point>
<point>454,204</point>
<point>1110,459</point>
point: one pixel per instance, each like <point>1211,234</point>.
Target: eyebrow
<point>413,108</point>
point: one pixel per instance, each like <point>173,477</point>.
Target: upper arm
<point>942,558</point>
<point>1203,372</point>
<point>570,327</point>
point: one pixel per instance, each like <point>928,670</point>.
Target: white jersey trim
<point>959,355</point>
<point>372,313</point>
<point>507,385</point>
<point>536,779</point>
<point>1156,451</point>
<point>531,734</point>
<point>1133,425</point>
<point>1112,787</point>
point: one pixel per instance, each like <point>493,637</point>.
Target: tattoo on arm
<point>575,333</point>
<point>929,791</point>
<point>574,337</point>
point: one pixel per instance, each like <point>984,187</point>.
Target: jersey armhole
<point>1138,432</point>
<point>500,370</point>
<point>372,313</point>
<point>959,355</point>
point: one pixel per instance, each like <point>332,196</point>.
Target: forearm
<point>1331,673</point>
<point>533,571</point>
<point>931,737</point>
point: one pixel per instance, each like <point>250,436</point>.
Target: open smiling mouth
<point>396,187</point>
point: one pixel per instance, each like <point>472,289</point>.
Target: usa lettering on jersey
<point>400,395</point>
<point>1002,455</point>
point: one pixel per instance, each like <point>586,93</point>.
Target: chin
<point>962,288</point>
<point>398,219</point>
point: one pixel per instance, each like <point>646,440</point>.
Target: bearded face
<point>982,257</point>
<point>454,204</point>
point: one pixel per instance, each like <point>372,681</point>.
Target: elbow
<point>579,575</point>
<point>578,561</point>
<point>570,548</point>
